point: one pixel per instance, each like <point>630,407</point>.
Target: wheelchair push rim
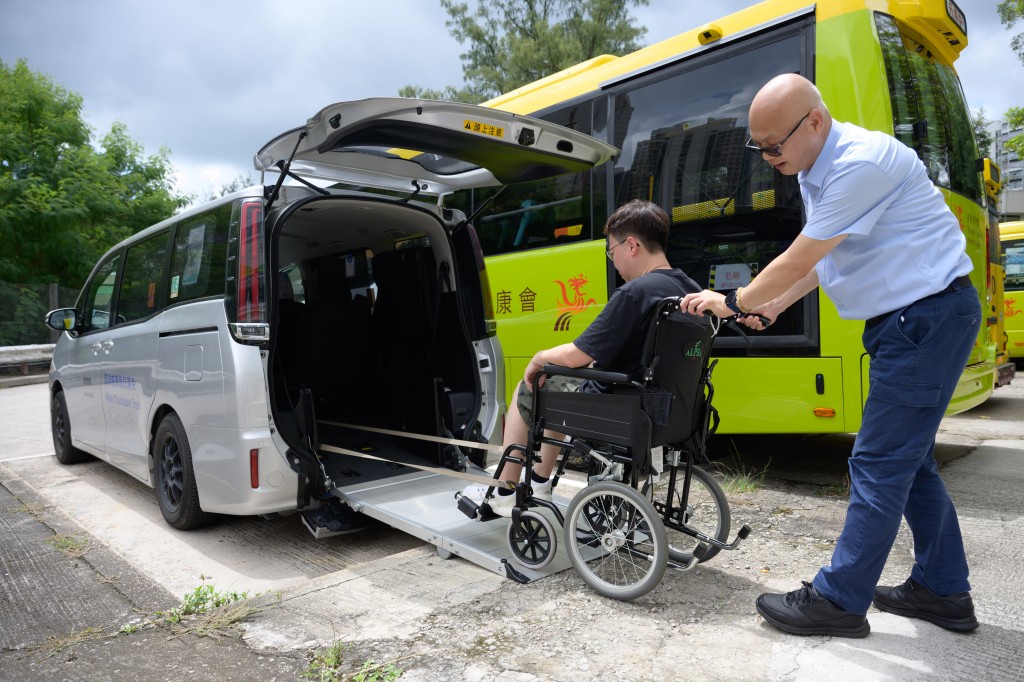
<point>615,540</point>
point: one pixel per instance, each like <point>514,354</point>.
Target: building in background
<point>1011,200</point>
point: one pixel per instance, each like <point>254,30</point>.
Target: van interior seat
<point>404,329</point>
<point>334,342</point>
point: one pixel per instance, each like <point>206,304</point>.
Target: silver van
<point>212,354</point>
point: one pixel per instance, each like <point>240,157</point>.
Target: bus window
<point>928,111</point>
<point>732,214</point>
<point>1013,261</point>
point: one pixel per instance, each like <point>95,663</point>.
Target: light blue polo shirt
<point>903,242</point>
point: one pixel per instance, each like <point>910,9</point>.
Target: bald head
<point>784,102</point>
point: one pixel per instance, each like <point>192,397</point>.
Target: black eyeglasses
<point>775,149</point>
<point>609,251</point>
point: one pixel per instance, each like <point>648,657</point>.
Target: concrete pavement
<point>441,619</point>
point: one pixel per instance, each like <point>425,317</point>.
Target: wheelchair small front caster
<point>532,540</point>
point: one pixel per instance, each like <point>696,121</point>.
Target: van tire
<point>176,490</point>
<point>60,426</point>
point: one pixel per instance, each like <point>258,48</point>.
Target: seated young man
<point>637,235</point>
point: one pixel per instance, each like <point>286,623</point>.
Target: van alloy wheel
<point>175,482</point>
<point>60,425</point>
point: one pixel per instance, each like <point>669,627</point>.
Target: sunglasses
<point>775,149</point>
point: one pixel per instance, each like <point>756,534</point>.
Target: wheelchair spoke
<point>616,541</point>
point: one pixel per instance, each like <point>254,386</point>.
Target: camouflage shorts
<point>560,384</point>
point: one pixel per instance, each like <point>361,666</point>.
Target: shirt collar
<point>816,174</point>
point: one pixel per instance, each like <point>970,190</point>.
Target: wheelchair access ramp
<point>420,500</point>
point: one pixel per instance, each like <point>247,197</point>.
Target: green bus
<point>677,110</point>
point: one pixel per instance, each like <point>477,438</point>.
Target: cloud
<point>212,81</point>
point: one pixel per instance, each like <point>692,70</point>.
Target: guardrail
<point>23,356</point>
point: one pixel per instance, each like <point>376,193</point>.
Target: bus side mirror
<point>992,176</point>
<point>64,319</point>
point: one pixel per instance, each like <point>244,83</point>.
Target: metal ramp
<point>423,505</point>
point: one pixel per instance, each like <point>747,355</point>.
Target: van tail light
<point>254,468</point>
<point>249,263</point>
<point>250,296</point>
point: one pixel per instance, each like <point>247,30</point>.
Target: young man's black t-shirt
<point>615,339</point>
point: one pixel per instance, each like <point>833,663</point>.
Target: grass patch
<point>837,489</point>
<point>204,612</point>
<point>199,600</point>
<point>54,645</point>
<point>70,545</point>
<point>329,664</point>
<point>742,479</point>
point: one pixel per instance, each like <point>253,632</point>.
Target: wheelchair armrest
<point>587,373</point>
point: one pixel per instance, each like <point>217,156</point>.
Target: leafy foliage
<point>981,132</point>
<point>62,201</point>
<point>515,42</point>
<point>1010,12</point>
<point>1015,119</point>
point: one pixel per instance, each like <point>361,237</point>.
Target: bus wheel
<point>176,490</point>
<point>60,425</point>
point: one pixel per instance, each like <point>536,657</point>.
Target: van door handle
<point>107,345</point>
<point>96,348</point>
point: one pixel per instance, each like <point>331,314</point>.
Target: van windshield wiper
<point>284,168</point>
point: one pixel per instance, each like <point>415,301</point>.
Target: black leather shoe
<point>913,600</point>
<point>805,612</point>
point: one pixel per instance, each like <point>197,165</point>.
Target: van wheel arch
<point>174,478</point>
<point>60,429</point>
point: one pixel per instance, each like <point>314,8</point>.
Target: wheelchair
<point>632,520</point>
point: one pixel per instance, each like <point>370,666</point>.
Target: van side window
<point>143,284</point>
<point>99,297</point>
<point>199,258</point>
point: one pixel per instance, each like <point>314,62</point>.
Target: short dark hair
<point>643,220</point>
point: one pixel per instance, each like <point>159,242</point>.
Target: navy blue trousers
<point>917,356</point>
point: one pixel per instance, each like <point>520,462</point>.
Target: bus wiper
<point>736,192</point>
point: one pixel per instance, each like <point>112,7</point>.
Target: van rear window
<point>199,258</point>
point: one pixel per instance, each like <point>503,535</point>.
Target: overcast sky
<point>212,81</point>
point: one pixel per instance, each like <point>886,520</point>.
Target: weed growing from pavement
<point>837,489</point>
<point>742,480</point>
<point>54,645</point>
<point>70,545</point>
<point>327,663</point>
<point>204,612</point>
<point>201,599</point>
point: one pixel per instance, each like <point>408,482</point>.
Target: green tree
<point>981,132</point>
<point>515,42</point>
<point>62,201</point>
<point>1010,12</point>
<point>1015,117</point>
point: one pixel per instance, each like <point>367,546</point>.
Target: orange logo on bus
<point>572,306</point>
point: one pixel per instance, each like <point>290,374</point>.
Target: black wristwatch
<point>730,302</point>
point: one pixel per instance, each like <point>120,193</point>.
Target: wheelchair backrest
<point>676,353</point>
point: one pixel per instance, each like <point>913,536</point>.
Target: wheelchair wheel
<point>616,540</point>
<point>532,541</point>
<point>707,511</point>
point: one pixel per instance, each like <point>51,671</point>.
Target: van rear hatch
<point>443,146</point>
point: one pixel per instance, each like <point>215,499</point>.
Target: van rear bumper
<point>223,472</point>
